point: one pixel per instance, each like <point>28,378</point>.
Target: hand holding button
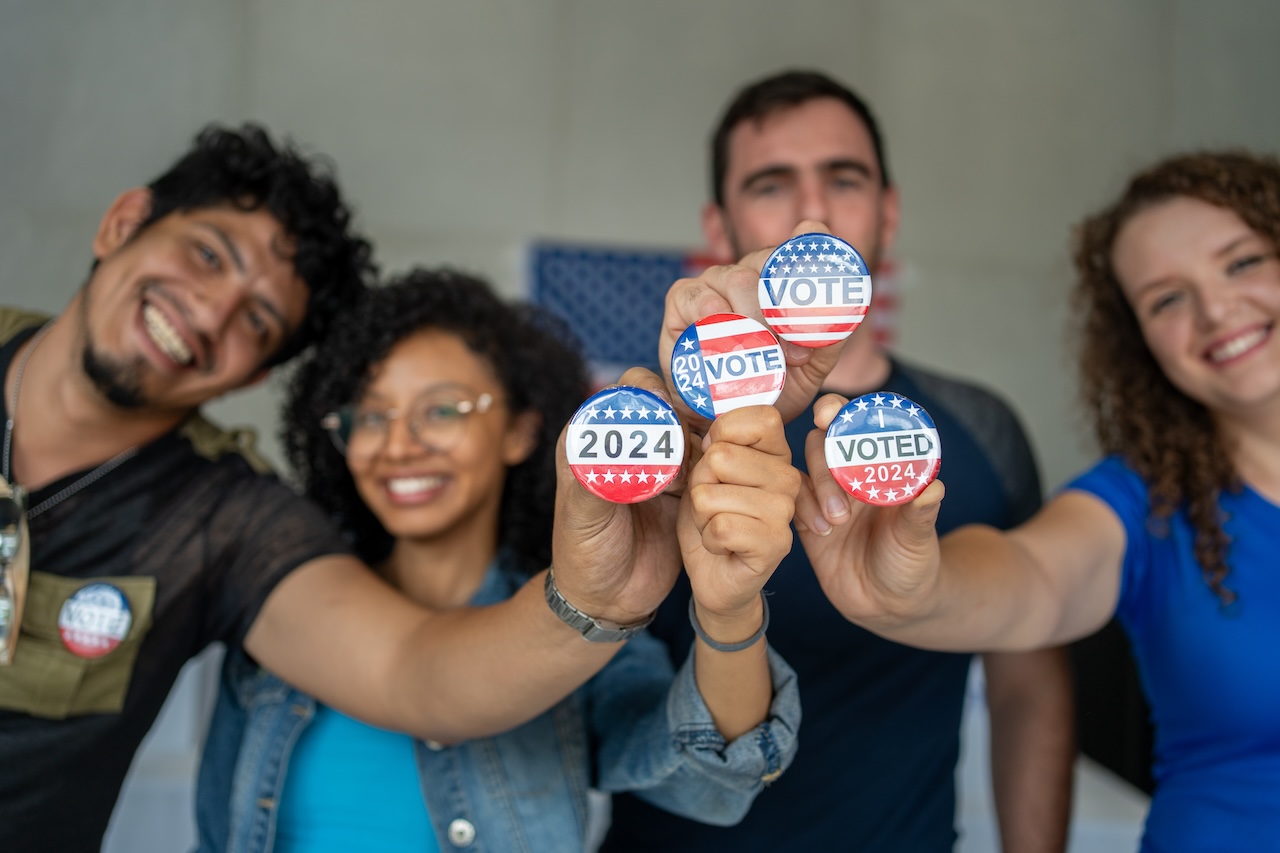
<point>876,558</point>
<point>734,289</point>
<point>614,547</point>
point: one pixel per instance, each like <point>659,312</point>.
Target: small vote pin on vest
<point>727,361</point>
<point>883,449</point>
<point>815,289</point>
<point>625,444</point>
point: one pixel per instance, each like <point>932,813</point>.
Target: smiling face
<point>187,308</point>
<point>421,493</point>
<point>1206,291</point>
<point>815,160</point>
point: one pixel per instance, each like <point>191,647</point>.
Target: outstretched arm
<point>336,631</point>
<point>1050,580</point>
<point>735,527</point>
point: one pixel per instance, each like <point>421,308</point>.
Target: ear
<point>888,218</point>
<point>521,438</point>
<point>121,221</point>
<point>715,230</point>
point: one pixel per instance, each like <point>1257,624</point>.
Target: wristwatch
<point>592,630</point>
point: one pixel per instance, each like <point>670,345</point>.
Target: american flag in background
<point>611,297</point>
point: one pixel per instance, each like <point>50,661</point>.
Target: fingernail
<point>836,507</point>
<point>819,526</point>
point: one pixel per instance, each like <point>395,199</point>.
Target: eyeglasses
<point>436,420</point>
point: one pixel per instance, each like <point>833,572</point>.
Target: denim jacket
<point>636,726</point>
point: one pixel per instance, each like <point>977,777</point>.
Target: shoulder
<point>213,441</point>
<point>14,320</point>
<point>981,410</point>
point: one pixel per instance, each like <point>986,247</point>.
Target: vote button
<point>625,444</point>
<point>814,290</point>
<point>883,449</point>
<point>727,361</point>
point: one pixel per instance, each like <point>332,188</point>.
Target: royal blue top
<point>1211,674</point>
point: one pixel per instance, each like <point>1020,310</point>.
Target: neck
<point>1254,443</point>
<point>62,424</point>
<point>862,367</point>
<point>442,572</point>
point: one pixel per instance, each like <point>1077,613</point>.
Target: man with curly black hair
<point>136,533</point>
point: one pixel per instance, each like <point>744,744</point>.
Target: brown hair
<point>1168,438</point>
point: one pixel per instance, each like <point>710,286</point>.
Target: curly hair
<point>533,355</point>
<point>1168,438</point>
<point>245,169</point>
<point>781,91</point>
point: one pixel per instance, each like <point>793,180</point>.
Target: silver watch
<point>592,630</point>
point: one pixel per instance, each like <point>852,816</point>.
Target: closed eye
<point>1241,264</point>
<point>208,256</point>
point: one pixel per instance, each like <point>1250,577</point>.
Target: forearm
<point>335,631</point>
<point>988,595</point>
<point>1029,696</point>
<point>734,685</point>
<point>503,665</point>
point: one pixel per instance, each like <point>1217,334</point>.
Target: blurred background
<point>467,133</point>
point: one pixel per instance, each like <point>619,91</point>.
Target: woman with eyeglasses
<point>427,427</point>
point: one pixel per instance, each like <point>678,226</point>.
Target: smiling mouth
<point>165,337</point>
<point>1239,345</point>
<point>402,487</point>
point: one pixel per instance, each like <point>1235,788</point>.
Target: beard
<point>119,381</point>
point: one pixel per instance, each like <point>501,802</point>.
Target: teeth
<point>413,485</point>
<point>165,336</point>
<point>1236,346</point>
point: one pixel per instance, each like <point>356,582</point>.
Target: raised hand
<point>616,561</point>
<point>733,288</point>
<point>735,519</point>
<point>878,565</point>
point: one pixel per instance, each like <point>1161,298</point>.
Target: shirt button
<point>461,833</point>
<point>433,745</point>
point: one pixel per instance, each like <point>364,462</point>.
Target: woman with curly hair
<point>1176,532</point>
<point>427,427</point>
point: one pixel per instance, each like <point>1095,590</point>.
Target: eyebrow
<point>238,262</point>
<point>1234,244</point>
<point>838,165</point>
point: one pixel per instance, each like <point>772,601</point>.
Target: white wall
<point>462,130</point>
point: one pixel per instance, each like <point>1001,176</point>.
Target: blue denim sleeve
<point>655,738</point>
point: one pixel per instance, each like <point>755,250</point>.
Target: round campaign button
<point>94,620</point>
<point>883,449</point>
<point>727,361</point>
<point>625,444</point>
<point>814,290</point>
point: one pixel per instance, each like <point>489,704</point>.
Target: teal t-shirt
<point>352,786</point>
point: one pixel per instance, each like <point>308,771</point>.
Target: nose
<point>400,442</point>
<point>813,199</point>
<point>216,304</point>
<point>1214,304</point>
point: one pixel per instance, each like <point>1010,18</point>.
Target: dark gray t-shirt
<point>194,539</point>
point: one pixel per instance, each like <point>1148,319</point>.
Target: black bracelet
<point>730,647</point>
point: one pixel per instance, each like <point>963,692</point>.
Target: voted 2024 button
<point>727,361</point>
<point>625,444</point>
<point>814,290</point>
<point>883,449</point>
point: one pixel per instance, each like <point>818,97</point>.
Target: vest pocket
<point>47,679</point>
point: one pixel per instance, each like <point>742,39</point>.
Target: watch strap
<point>592,630</point>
